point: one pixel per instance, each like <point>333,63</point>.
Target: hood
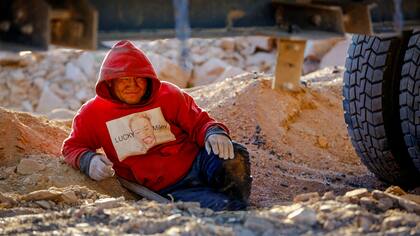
<point>126,60</point>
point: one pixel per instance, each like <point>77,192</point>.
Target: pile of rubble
<point>41,82</point>
<point>64,79</point>
<point>78,210</point>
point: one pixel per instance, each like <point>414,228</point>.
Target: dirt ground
<point>298,144</point>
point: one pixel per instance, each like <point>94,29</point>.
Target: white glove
<point>100,168</point>
<point>221,146</point>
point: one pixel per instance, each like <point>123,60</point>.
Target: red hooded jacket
<point>153,143</point>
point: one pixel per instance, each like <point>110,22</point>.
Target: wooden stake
<point>289,63</point>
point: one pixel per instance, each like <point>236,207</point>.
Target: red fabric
<point>162,165</point>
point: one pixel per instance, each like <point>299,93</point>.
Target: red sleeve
<point>80,140</point>
<point>194,120</point>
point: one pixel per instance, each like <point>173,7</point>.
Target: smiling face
<point>143,131</point>
<point>129,90</point>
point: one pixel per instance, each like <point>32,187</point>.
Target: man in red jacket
<point>154,134</point>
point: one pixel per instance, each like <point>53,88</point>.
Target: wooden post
<point>289,63</point>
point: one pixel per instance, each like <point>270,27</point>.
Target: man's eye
<point>140,80</point>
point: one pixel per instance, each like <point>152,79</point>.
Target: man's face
<point>144,131</point>
<point>129,89</point>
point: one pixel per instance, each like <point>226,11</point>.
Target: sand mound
<point>298,140</point>
<point>30,156</point>
<point>23,134</point>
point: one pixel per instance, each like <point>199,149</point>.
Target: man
<point>188,156</point>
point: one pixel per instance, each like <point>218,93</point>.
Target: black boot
<point>234,177</point>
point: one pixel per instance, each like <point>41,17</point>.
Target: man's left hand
<point>221,146</point>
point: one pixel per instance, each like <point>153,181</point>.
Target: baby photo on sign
<point>136,133</point>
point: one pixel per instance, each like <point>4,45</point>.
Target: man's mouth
<point>132,93</point>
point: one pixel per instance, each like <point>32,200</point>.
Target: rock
<point>28,166</point>
<point>392,222</point>
<point>49,101</point>
<point>18,89</point>
<point>304,197</point>
<point>328,196</point>
<point>318,48</point>
<point>39,83</point>
<point>61,114</point>
<point>213,52</point>
<point>17,75</point>
<point>107,203</point>
<point>38,71</point>
<point>400,231</point>
<point>83,95</point>
<point>368,203</point>
<point>209,71</point>
<point>55,88</point>
<point>262,60</point>
<point>244,47</point>
<point>336,56</point>
<point>74,73</point>
<point>356,194</point>
<point>364,222</point>
<point>261,42</point>
<point>229,72</point>
<point>327,207</point>
<point>234,58</point>
<point>248,45</point>
<point>73,104</point>
<point>310,64</point>
<point>168,70</point>
<point>227,44</point>
<point>304,216</point>
<point>27,106</point>
<point>351,207</point>
<point>42,195</point>
<point>86,62</point>
<point>198,59</point>
<point>408,205</point>
<point>243,232</point>
<point>412,197</point>
<point>395,190</point>
<point>44,204</point>
<point>330,224</point>
<point>12,60</point>
<point>6,201</point>
<point>322,142</point>
<point>69,197</point>
<point>283,211</point>
<point>385,203</point>
<point>256,223</point>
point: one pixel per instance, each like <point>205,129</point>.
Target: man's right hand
<point>100,168</point>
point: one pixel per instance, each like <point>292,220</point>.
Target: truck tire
<point>410,98</point>
<point>371,108</point>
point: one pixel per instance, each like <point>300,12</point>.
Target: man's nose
<point>132,82</point>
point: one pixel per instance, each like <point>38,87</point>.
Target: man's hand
<point>221,146</point>
<point>100,168</point>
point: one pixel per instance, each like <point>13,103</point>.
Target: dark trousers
<point>201,185</point>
